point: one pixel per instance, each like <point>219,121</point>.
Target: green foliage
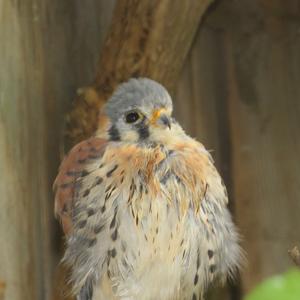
<point>281,287</point>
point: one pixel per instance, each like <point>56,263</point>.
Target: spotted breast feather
<point>137,214</point>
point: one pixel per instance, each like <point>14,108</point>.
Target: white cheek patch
<point>130,136</point>
<point>165,136</point>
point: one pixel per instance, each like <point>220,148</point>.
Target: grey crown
<point>142,92</point>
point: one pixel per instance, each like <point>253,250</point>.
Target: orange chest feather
<point>158,167</point>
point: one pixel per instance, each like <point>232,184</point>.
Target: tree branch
<point>146,38</point>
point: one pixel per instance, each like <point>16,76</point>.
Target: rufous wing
<point>70,170</point>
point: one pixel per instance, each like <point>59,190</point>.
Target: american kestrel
<point>143,206</point>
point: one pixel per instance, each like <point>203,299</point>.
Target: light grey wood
<point>264,109</point>
<point>47,50</point>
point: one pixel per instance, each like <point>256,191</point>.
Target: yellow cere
<point>156,114</point>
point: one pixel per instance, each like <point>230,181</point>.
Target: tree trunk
<point>147,38</point>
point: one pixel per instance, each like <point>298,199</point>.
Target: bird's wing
<point>71,170</point>
<point>89,188</point>
<point>215,242</point>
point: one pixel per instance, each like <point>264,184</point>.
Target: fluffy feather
<point>149,218</point>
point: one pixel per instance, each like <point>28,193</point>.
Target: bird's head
<point>139,111</point>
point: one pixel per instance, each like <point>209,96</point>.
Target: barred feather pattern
<point>149,222</point>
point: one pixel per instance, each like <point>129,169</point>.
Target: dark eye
<point>132,117</point>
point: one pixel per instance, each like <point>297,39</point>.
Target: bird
<point>143,206</point>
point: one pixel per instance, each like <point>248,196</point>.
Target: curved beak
<point>165,120</point>
<point>160,118</point>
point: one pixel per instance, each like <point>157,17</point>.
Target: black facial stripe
<point>143,129</point>
<point>143,132</point>
<point>114,134</point>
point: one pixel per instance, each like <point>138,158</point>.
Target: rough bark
<point>147,38</point>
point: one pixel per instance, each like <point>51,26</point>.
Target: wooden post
<point>260,67</point>
<point>41,45</point>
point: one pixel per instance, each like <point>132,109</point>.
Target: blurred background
<point>237,91</point>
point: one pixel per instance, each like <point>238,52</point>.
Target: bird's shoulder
<point>72,168</point>
<point>95,165</point>
<point>195,170</point>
